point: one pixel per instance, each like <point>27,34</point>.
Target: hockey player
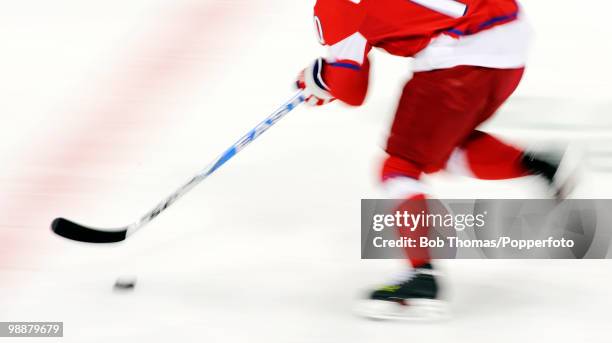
<point>469,57</point>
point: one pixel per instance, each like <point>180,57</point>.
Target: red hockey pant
<point>438,113</point>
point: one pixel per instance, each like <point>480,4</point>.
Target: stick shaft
<point>262,127</point>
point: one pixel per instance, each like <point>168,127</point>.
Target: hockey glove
<point>310,80</point>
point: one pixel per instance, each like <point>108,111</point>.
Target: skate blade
<point>410,310</point>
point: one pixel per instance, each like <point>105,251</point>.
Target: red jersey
<point>438,33</point>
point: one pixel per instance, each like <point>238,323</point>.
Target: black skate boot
<point>548,166</point>
<point>413,299</point>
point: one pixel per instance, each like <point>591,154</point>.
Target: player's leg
<point>401,180</point>
<point>487,157</point>
<point>484,156</point>
<point>415,295</point>
<point>437,111</point>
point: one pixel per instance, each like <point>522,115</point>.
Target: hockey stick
<point>74,231</point>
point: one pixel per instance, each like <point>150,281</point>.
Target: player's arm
<point>346,80</point>
<point>344,73</point>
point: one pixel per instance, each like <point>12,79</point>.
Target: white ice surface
<point>107,106</point>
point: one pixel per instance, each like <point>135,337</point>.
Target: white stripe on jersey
<point>451,8</point>
<point>351,48</point>
<point>504,46</point>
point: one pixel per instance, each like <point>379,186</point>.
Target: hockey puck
<point>125,283</point>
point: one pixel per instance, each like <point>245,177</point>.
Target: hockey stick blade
<point>74,231</point>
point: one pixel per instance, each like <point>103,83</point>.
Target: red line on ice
<point>155,71</point>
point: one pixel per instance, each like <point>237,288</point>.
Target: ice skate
<point>555,168</point>
<point>415,298</point>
